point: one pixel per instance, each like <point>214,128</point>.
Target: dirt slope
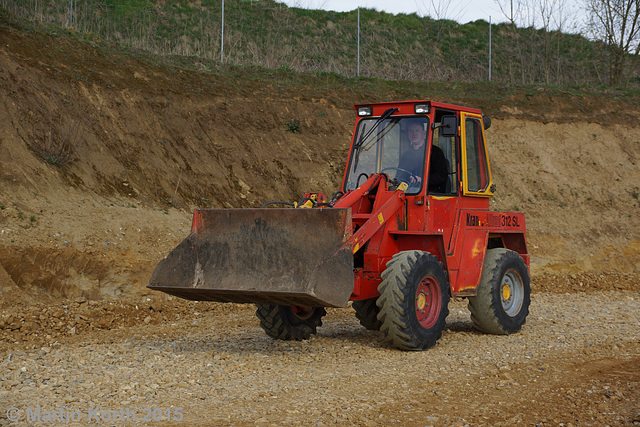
<point>149,143</point>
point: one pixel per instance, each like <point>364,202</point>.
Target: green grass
<point>271,35</point>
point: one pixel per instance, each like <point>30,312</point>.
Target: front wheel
<point>283,322</point>
<point>413,301</point>
<point>504,294</point>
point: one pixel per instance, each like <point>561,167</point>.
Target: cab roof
<point>407,107</point>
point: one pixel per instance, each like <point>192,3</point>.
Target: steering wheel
<point>397,169</point>
<point>412,187</point>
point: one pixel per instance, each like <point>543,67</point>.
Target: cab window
<point>448,146</point>
<point>477,169</point>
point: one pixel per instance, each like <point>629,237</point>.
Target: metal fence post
<point>358,69</point>
<point>222,36</point>
<point>489,48</point>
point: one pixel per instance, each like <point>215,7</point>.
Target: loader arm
<point>377,220</point>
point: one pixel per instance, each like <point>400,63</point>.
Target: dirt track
<point>78,243</point>
<point>575,363</point>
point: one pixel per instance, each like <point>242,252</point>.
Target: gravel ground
<point>576,362</point>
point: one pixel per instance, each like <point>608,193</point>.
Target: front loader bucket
<point>266,256</point>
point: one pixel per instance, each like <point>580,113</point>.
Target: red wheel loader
<point>409,229</point>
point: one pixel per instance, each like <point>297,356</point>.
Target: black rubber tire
<point>367,313</point>
<point>492,313</point>
<point>408,274</point>
<point>282,323</point>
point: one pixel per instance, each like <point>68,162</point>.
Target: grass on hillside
<point>346,91</point>
<point>272,35</point>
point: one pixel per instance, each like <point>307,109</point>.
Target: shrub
<point>293,125</point>
<point>58,148</point>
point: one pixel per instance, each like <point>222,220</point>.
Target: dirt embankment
<point>148,143</point>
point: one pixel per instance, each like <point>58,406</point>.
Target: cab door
<point>476,188</point>
<point>476,172</point>
<point>444,206</point>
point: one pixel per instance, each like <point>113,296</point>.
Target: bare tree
<point>537,45</point>
<point>617,24</point>
<point>520,13</point>
<point>442,9</point>
<point>307,4</point>
<point>512,10</point>
<point>551,16</point>
<point>439,11</point>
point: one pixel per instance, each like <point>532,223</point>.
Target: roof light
<point>365,111</point>
<point>422,108</point>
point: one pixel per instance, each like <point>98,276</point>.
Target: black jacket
<point>438,171</point>
<point>413,161</point>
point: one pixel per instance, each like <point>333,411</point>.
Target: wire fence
<point>269,34</point>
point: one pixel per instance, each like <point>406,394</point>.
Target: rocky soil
<point>574,363</point>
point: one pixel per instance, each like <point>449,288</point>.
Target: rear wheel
<point>504,294</point>
<point>367,313</point>
<point>413,301</point>
<point>289,323</point>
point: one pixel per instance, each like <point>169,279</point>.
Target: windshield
<point>395,146</point>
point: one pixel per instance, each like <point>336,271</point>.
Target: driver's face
<point>417,135</point>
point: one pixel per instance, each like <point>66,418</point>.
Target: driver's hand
<point>415,180</point>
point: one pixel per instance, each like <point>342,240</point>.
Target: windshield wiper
<point>364,136</point>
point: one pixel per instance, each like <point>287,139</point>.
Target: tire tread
<point>367,313</point>
<point>486,306</point>
<point>395,290</point>
<point>274,321</point>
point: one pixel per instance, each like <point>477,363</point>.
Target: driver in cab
<point>412,160</point>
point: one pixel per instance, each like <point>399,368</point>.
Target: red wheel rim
<point>427,302</point>
<point>303,312</point>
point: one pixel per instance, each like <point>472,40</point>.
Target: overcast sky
<point>462,11</point>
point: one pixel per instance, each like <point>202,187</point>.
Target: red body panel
<point>458,229</point>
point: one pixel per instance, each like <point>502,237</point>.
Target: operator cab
<point>402,139</point>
